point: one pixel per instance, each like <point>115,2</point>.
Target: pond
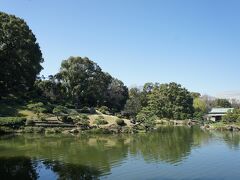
<point>169,153</point>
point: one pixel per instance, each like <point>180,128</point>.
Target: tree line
<point>81,82</point>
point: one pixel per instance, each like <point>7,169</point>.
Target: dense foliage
<point>135,102</point>
<point>158,101</point>
<point>171,101</point>
<point>232,116</point>
<point>120,122</point>
<point>82,83</point>
<point>20,55</point>
<point>200,108</point>
<point>12,121</point>
<point>222,103</point>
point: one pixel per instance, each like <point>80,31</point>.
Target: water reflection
<point>232,139</point>
<point>70,171</point>
<point>94,156</point>
<point>170,144</point>
<point>17,168</point>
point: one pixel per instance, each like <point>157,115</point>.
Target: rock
<point>133,121</point>
<point>74,131</point>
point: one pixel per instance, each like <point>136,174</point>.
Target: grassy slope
<point>110,119</point>
<point>17,110</point>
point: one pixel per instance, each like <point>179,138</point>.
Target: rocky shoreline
<point>221,128</point>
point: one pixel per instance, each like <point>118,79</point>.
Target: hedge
<point>12,121</point>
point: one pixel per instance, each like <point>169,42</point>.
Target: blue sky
<point>192,42</point>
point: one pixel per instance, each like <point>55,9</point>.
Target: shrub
<point>85,110</point>
<point>146,118</point>
<point>66,119</point>
<point>120,122</point>
<point>100,121</point>
<point>119,115</point>
<point>53,130</point>
<point>84,116</point>
<point>232,116</point>
<point>38,107</point>
<point>92,110</point>
<point>104,110</point>
<point>12,121</point>
<point>73,112</point>
<point>82,120</point>
<point>29,122</point>
<point>60,111</point>
<point>42,118</point>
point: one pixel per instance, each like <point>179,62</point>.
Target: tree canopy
<point>84,80</point>
<point>222,103</point>
<point>20,55</point>
<point>171,101</point>
<point>81,82</point>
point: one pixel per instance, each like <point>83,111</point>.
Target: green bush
<point>73,112</point>
<point>53,130</point>
<point>119,115</point>
<point>60,110</point>
<point>38,107</point>
<point>29,122</point>
<point>232,116</point>
<point>82,120</point>
<point>42,118</point>
<point>92,110</point>
<point>100,121</point>
<point>66,119</point>
<point>12,121</point>
<point>104,110</point>
<point>85,110</point>
<point>120,122</point>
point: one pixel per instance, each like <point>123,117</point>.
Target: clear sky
<point>192,42</point>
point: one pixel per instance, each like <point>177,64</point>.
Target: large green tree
<point>116,95</point>
<point>200,108</point>
<point>52,89</point>
<point>20,55</point>
<point>171,101</point>
<point>84,80</point>
<point>135,102</point>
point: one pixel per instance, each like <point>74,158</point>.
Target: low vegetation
<point>12,121</point>
<point>120,122</point>
<point>100,121</point>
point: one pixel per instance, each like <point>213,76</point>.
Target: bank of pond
<point>101,126</point>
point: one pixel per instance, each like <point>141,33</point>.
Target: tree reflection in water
<point>23,168</point>
<point>20,168</point>
<point>70,171</point>
<point>169,144</point>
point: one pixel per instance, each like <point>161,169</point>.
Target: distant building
<point>216,114</point>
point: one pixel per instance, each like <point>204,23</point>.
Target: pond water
<point>169,153</point>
